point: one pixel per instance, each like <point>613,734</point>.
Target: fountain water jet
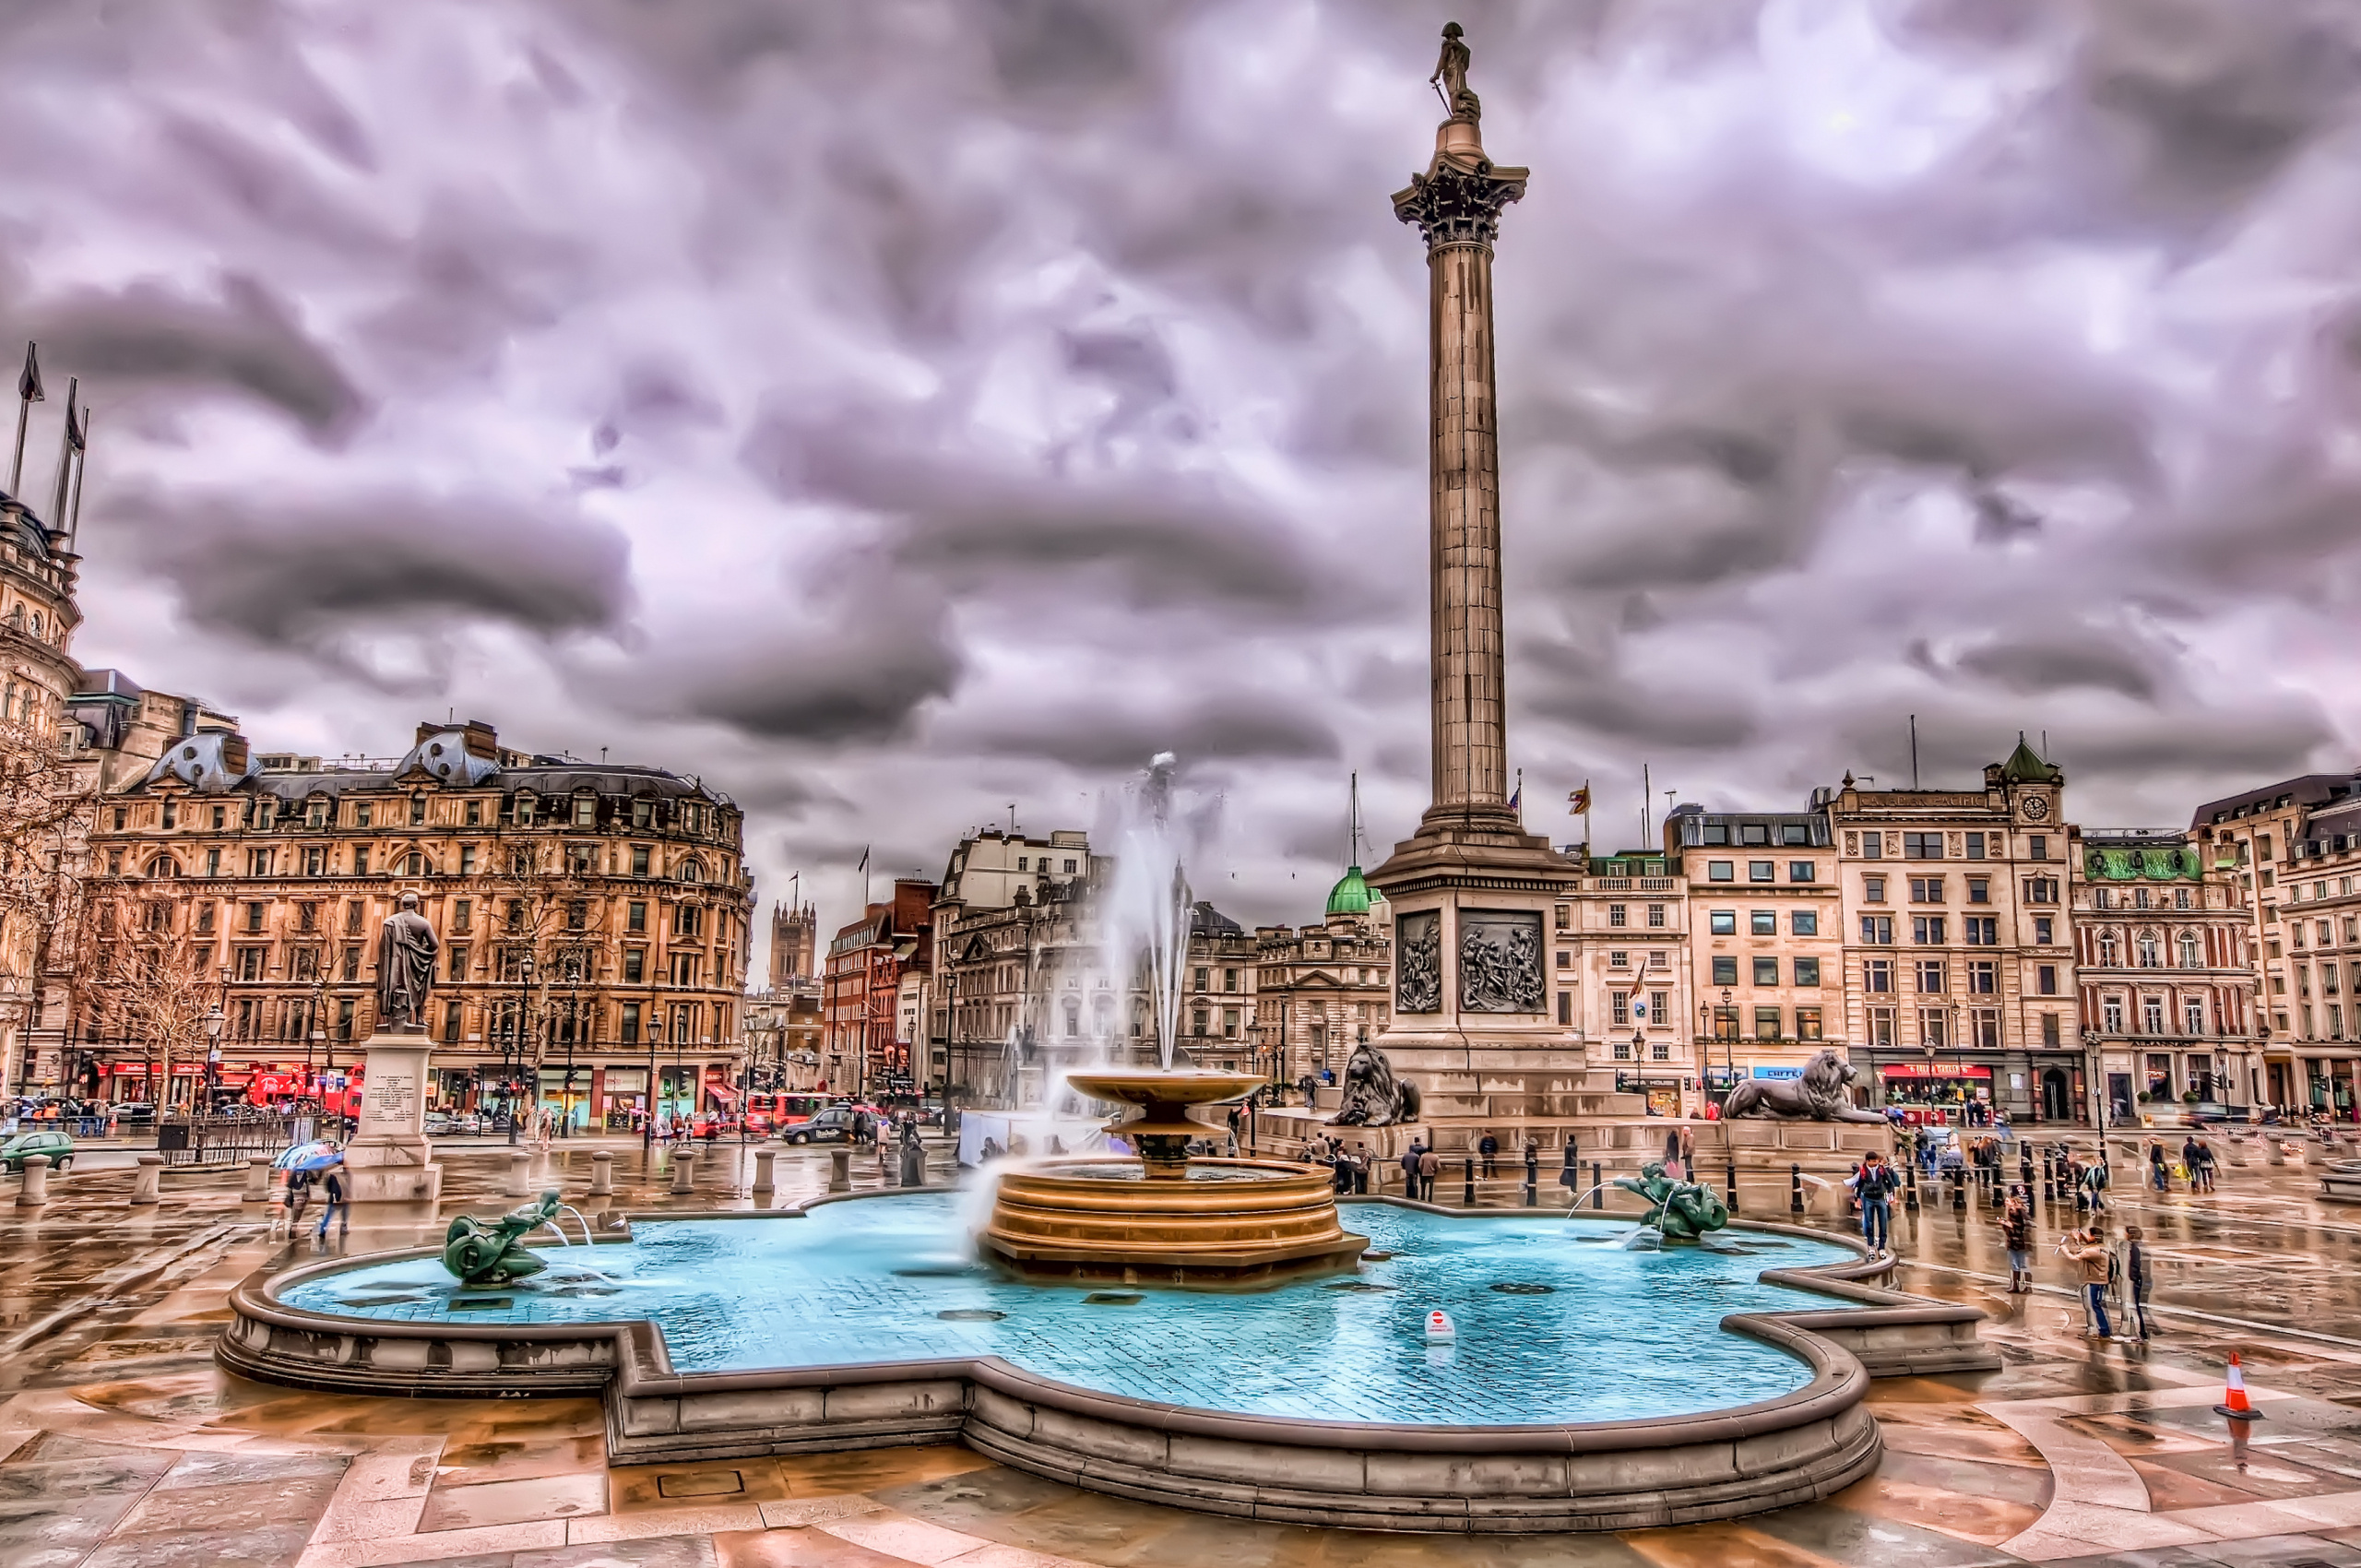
<point>1163,1215</point>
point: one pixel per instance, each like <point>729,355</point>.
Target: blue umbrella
<point>309,1156</point>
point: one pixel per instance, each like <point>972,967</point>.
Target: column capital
<point>1458,200</point>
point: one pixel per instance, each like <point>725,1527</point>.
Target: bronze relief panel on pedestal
<point>1500,961</point>
<point>1418,968</point>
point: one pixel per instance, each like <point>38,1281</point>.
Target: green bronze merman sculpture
<point>1680,1211</point>
<point>496,1254</point>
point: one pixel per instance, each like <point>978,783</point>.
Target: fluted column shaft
<point>1470,734</point>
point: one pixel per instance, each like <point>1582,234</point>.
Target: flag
<point>73,429</point>
<point>1517,797</point>
<point>29,383</point>
<point>1579,802</point>
<point>864,858</point>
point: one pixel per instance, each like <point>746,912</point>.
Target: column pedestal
<point>389,1160</point>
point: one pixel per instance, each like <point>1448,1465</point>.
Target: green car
<point>58,1146</point>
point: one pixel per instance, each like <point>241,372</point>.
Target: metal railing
<point>214,1140</point>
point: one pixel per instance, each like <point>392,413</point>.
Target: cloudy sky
<point>896,410</point>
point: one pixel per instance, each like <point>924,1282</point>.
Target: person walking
<point>2093,1267</point>
<point>1361,1164</point>
<point>1490,1148</point>
<point>2093,1184</point>
<point>2201,1173</point>
<point>2159,1176</point>
<point>2135,1278</point>
<point>1874,1184</point>
<point>299,1197</point>
<point>1430,1167</point>
<point>332,1204</point>
<point>2016,1238</point>
<point>1410,1170</point>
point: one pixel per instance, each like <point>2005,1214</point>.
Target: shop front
<point>624,1096</point>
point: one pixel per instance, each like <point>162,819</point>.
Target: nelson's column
<point>1471,890</point>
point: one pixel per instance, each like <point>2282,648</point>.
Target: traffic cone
<point>2234,1398</point>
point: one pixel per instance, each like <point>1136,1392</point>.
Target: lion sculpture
<point>1373,1096</point>
<point>1823,1094</point>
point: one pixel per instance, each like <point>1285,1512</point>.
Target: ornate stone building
<point>1766,954</point>
<point>868,1010</point>
<point>1321,990</point>
<point>1959,966</point>
<point>2291,852</point>
<point>1618,974</point>
<point>594,921</point>
<point>2164,971</point>
<point>795,936</point>
<point>38,619</point>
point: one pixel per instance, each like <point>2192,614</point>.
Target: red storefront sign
<point>1934,1070</point>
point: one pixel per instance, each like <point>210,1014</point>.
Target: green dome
<point>1351,896</point>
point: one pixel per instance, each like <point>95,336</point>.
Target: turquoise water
<point>1617,1334</point>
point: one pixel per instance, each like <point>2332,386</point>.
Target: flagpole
<point>74,524</point>
<point>1520,800</point>
<point>28,394</point>
<point>64,458</point>
<point>1586,839</point>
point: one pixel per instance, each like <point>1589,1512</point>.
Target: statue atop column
<point>1451,76</point>
<point>406,949</point>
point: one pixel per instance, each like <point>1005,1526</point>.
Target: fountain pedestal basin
<point>1163,1218</point>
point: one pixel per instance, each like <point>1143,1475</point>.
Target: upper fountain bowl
<point>1186,1088</point>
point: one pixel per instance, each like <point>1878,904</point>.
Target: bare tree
<point>47,800</point>
<point>142,976</point>
<point>545,906</point>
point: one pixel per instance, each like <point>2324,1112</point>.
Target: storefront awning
<point>723,1093</point>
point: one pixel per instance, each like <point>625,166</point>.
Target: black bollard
<point>1597,1186</point>
<point>1959,1190</point>
<point>2048,1177</point>
<point>1729,1179</point>
<point>1910,1187</point>
<point>1532,1178</point>
<point>1795,1189</point>
<point>1469,1196</point>
<point>2025,1168</point>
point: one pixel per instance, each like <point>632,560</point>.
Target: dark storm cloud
<point>1160,541</point>
<point>1210,726</point>
<point>298,578</point>
<point>2108,659</point>
<point>246,336</point>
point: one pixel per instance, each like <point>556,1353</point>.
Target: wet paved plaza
<point>122,1446</point>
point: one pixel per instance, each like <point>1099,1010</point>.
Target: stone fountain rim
<point>642,1366</point>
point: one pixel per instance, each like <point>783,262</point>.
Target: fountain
<point>1163,1216</point>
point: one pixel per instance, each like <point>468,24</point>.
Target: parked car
<point>58,1146</point>
<point>439,1125</point>
<point>134,1110</point>
<point>832,1125</point>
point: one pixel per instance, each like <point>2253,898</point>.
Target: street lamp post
<point>214,1020</point>
<point>517,1038</point>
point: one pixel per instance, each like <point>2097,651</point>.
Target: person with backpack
<point>1874,1184</point>
<point>2016,1238</point>
<point>1410,1170</point>
<point>332,1206</point>
<point>2093,1187</point>
<point>2159,1174</point>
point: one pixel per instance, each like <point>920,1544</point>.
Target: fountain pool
<point>1589,1332</point>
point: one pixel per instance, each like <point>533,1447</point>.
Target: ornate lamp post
<point>517,1038</point>
<point>214,1020</point>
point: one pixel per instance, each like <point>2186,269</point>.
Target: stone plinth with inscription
<point>389,1160</point>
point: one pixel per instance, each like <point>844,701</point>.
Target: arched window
<point>2110,949</point>
<point>414,864</point>
<point>2152,952</point>
<point>691,870</point>
<point>2191,952</point>
<point>164,865</point>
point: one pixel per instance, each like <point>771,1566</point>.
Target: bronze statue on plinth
<point>406,949</point>
<point>1820,1095</point>
<point>1373,1096</point>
